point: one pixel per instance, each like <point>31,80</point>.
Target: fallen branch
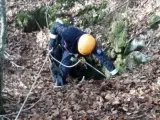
<point>137,35</point>
<point>118,7</point>
<point>127,5</point>
<point>144,2</point>
<point>7,56</point>
<point>11,97</point>
<point>3,118</point>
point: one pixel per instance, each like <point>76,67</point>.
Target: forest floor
<point>132,95</point>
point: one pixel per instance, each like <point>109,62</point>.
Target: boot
<point>58,81</point>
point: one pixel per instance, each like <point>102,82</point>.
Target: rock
<point>135,58</point>
<point>136,44</point>
<point>154,19</point>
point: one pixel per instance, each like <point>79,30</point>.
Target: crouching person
<point>65,42</point>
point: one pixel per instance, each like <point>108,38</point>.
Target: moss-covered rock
<point>39,18</point>
<point>45,16</point>
<point>154,20</point>
<point>135,58</point>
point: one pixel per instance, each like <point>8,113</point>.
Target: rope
<point>82,60</point>
<point>31,88</point>
<point>64,64</point>
<point>95,69</point>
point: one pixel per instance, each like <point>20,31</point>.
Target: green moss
<point>119,63</point>
<point>27,21</point>
<point>117,36</point>
<point>31,20</point>
<point>92,14</point>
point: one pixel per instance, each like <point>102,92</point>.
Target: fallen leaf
<point>158,80</point>
<point>116,101</point>
<point>133,92</point>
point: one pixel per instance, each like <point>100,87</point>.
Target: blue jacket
<point>69,34</point>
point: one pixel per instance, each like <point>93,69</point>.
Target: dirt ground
<point>132,95</point>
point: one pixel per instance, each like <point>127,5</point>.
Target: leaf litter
<point>134,94</point>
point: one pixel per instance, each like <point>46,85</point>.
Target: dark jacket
<point>69,34</point>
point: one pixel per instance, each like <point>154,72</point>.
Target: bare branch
<point>26,109</point>
<point>7,56</point>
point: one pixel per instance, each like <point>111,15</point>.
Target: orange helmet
<point>86,44</point>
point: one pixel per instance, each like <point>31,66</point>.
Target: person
<point>68,40</point>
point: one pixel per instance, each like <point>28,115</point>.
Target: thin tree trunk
<point>2,47</point>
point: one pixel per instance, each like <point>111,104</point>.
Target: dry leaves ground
<point>133,95</point>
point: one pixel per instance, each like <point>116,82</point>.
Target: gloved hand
<point>74,59</point>
<point>59,21</point>
<point>115,71</point>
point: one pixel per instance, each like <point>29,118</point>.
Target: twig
<point>46,15</point>
<point>28,107</point>
<point>36,102</point>
<point>127,5</point>
<point>142,31</point>
<point>7,56</point>
<point>5,118</point>
<point>7,94</point>
<point>35,81</point>
<point>38,24</point>
<point>117,8</point>
<point>152,39</point>
<point>144,2</point>
<point>137,35</point>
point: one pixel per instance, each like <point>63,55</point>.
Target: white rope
<point>77,64</point>
<point>31,88</point>
<point>38,76</point>
<point>95,69</point>
<point>64,64</point>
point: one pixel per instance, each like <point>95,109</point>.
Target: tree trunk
<point>2,47</point>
